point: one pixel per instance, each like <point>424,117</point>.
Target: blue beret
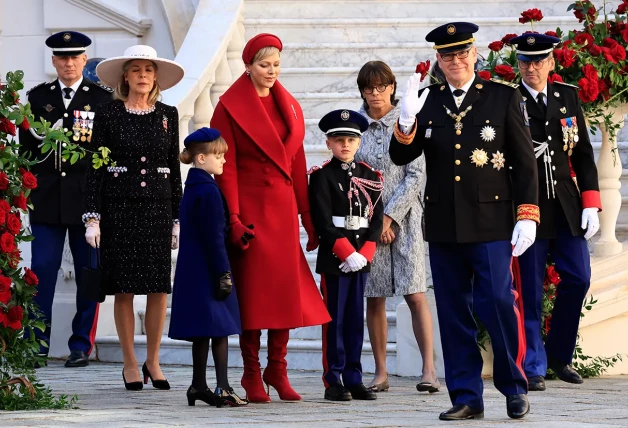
<point>343,122</point>
<point>203,135</point>
<point>68,43</point>
<point>453,36</point>
<point>533,46</point>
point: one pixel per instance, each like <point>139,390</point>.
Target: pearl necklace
<point>140,112</point>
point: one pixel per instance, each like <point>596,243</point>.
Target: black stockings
<point>200,352</point>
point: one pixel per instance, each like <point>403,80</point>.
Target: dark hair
<point>216,147</point>
<point>376,73</point>
<point>437,74</point>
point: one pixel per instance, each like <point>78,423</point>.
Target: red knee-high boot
<point>276,372</point>
<point>251,378</point>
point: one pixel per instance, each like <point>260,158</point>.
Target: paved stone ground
<point>104,401</point>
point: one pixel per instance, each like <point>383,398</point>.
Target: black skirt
<point>136,240</point>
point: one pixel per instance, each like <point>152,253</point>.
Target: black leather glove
<point>224,286</point>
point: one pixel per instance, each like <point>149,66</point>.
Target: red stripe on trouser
<point>92,332</point>
<point>515,271</point>
<point>325,364</point>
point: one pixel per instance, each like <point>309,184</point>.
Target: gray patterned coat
<point>398,269</point>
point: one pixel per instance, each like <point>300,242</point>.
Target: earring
<point>248,73</point>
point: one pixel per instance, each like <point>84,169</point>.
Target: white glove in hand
<point>590,222</point>
<point>92,235</point>
<point>523,236</point>
<point>356,261</point>
<point>344,267</point>
<point>175,236</point>
<point>411,104</point>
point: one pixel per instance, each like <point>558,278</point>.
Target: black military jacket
<point>467,202</point>
<point>562,103</point>
<point>58,198</point>
<point>328,193</point>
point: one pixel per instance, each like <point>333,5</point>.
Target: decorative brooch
<point>488,133</point>
<point>498,161</point>
<point>165,122</point>
<point>479,157</point>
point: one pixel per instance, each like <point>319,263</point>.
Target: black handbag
<point>94,281</point>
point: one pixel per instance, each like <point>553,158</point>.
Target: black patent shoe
<point>517,406</point>
<point>77,359</point>
<point>337,392</point>
<point>566,373</point>
<point>205,395</point>
<point>536,383</point>
<point>131,386</point>
<point>229,397</point>
<point>361,392</point>
<point>157,383</point>
<point>461,412</point>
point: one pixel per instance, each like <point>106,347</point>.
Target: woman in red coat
<point>265,185</point>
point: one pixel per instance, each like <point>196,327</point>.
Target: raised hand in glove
<point>240,235</point>
<point>590,222</point>
<point>523,236</point>
<point>312,236</point>
<point>224,286</point>
<point>411,104</point>
<point>175,236</point>
<point>92,234</point>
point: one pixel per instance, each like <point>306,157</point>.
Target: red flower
<point>19,201</point>
<point>14,224</point>
<point>595,50</point>
<point>423,68</point>
<point>506,72</point>
<point>531,15</point>
<point>616,52</point>
<point>496,46</point>
<point>29,277</point>
<point>584,39</point>
<point>508,37</point>
<point>28,180</point>
<point>551,33</point>
<point>7,243</point>
<point>5,289</point>
<point>555,77</point>
<point>622,8</point>
<point>566,57</point>
<point>552,275</point>
<point>14,258</point>
<point>14,318</point>
<point>624,33</point>
<point>4,181</point>
<point>7,126</point>
<point>584,10</point>
<point>590,72</point>
<point>5,208</point>
<point>603,89</point>
<point>588,91</point>
<point>485,74</point>
<point>25,125</point>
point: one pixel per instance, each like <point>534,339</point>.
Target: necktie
<point>68,93</point>
<point>541,100</point>
<point>457,94</point>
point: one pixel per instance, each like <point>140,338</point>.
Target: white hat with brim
<point>169,73</point>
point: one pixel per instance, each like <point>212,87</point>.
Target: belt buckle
<point>352,222</point>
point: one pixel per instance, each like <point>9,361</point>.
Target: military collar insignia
<point>479,157</point>
<point>524,99</point>
<point>479,86</point>
<point>487,134</point>
<point>346,165</point>
<point>52,87</point>
<point>442,88</point>
<point>563,110</point>
<point>48,108</point>
<point>557,95</point>
<point>86,88</point>
<point>498,161</point>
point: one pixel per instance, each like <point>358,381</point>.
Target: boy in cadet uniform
<point>348,217</point>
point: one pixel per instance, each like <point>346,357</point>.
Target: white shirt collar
<point>74,87</point>
<point>535,93</point>
<point>465,87</point>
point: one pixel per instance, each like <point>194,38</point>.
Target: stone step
<point>304,333</point>
<point>375,29</point>
<point>302,354</point>
<point>399,9</point>
<point>317,104</point>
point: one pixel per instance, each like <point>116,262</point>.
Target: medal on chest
<point>458,118</point>
<point>569,127</point>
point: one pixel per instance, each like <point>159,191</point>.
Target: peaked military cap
<point>453,36</point>
<point>343,123</point>
<point>533,46</point>
<point>68,43</point>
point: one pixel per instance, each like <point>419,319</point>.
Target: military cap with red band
<point>259,42</point>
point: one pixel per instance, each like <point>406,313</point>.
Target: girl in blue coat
<point>204,302</point>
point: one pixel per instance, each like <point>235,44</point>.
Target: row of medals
<point>83,124</point>
<point>570,138</point>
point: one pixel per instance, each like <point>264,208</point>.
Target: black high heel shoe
<point>157,383</point>
<point>229,397</point>
<point>131,386</point>
<point>206,396</point>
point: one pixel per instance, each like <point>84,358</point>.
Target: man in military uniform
<point>58,199</point>
<point>481,176</point>
<point>348,216</point>
<point>568,211</point>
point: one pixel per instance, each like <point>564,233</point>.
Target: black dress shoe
<point>566,373</point>
<point>337,392</point>
<point>77,359</point>
<point>517,406</point>
<point>536,383</point>
<point>361,392</point>
<point>461,412</point>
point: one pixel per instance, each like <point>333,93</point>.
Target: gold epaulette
<point>504,82</point>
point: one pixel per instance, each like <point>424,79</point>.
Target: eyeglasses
<point>537,65</point>
<point>380,88</point>
<point>448,57</point>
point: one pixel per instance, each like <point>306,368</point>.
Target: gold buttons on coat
<point>496,197</point>
<point>63,174</point>
<point>457,146</point>
<point>457,178</point>
<point>457,162</point>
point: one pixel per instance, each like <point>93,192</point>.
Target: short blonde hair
<point>215,147</point>
<point>265,52</point>
<point>121,91</point>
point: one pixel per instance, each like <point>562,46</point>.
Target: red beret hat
<point>259,42</point>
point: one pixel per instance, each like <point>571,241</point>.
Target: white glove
<point>175,236</point>
<point>356,261</point>
<point>523,236</point>
<point>344,267</point>
<point>590,222</point>
<point>411,104</point>
<point>92,234</point>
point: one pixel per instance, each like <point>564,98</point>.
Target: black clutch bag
<point>94,281</point>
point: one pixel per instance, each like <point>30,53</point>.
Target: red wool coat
<point>265,184</point>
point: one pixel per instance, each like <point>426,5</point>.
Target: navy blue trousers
<point>571,256</point>
<point>343,336</point>
<point>47,253</point>
<point>477,278</point>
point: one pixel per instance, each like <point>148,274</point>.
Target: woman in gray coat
<point>398,267</point>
